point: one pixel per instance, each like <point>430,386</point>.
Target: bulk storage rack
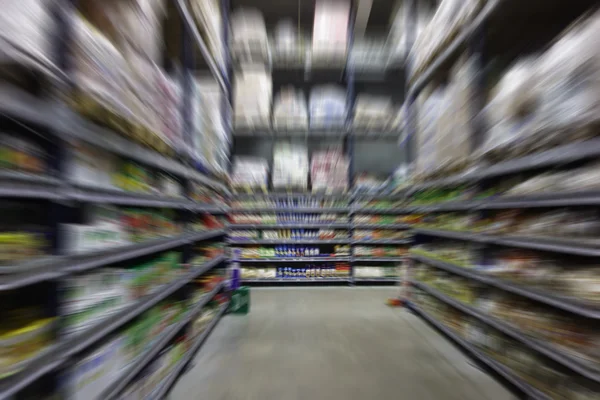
<point>60,130</point>
<point>367,148</point>
<point>487,36</point>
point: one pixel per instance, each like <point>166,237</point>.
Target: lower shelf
<point>391,281</point>
<point>165,387</point>
<point>517,384</point>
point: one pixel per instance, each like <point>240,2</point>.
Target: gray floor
<point>334,344</point>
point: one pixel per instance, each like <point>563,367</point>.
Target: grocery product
<point>329,171</point>
<point>290,110</point>
<point>250,172</point>
<point>253,91</point>
<point>20,154</point>
<point>330,29</point>
<point>327,106</point>
<point>290,166</point>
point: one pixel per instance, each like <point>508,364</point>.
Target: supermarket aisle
<point>330,343</point>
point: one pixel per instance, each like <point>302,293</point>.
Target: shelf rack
<point>51,120</point>
<point>346,212</point>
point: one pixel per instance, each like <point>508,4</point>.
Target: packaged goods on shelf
<point>381,234</point>
<point>369,54</point>
<point>386,219</point>
<point>259,273</point>
<point>321,218</point>
<point>290,166</point>
<point>22,237</point>
<point>397,33</point>
<point>20,154</point>
<point>96,371</point>
<point>330,29</point>
<point>170,102</point>
<point>210,138</point>
<point>22,338</point>
<point>379,251</point>
<point>209,21</point>
<point>449,19</point>
<point>291,202</point>
<point>252,172</point>
<point>27,28</point>
<point>372,112</point>
<point>379,203</point>
<point>207,222</point>
<point>367,183</point>
<point>249,34</point>
<point>549,100</point>
<point>329,170</point>
<point>328,106</point>
<point>288,46</point>
<point>375,272</point>
<point>154,373</point>
<point>253,91</point>
<point>89,298</point>
<point>290,110</point>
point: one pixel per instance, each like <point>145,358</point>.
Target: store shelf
<point>382,241</point>
<point>180,368</point>
<point>85,262</point>
<point>368,210</point>
<point>62,266</point>
<point>289,241</point>
<point>518,384</point>
<point>91,194</point>
<point>308,210</point>
<point>290,226</point>
<point>566,304</point>
<point>376,280</point>
<point>448,206</point>
<point>378,226</point>
<point>290,195</point>
<point>63,351</point>
<point>378,259</point>
<point>18,104</point>
<point>297,280</point>
<point>547,349</point>
<point>565,246</point>
<point>15,184</point>
<point>293,260</point>
<point>128,376</point>
<point>191,27</point>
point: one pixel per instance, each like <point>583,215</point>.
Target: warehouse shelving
<point>547,349</point>
<point>61,353</point>
<point>519,384</point>
<point>571,305</point>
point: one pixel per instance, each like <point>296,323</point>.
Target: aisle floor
<point>334,344</point>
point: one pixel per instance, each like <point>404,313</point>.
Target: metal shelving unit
<point>47,117</point>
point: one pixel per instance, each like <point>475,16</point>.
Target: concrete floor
<point>334,344</point>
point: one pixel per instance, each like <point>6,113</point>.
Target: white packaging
<point>26,32</point>
<point>330,29</point>
<point>253,91</point>
<point>210,23</point>
<point>250,171</point>
<point>327,106</point>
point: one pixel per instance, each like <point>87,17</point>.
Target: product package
<point>330,30</point>
<point>290,166</point>
<point>253,91</point>
<point>249,34</point>
<point>289,110</point>
<point>328,107</point>
<point>329,171</point>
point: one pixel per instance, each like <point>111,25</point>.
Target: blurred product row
<point>327,108</point>
<point>328,169</point>
<point>118,76</point>
<point>540,101</point>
